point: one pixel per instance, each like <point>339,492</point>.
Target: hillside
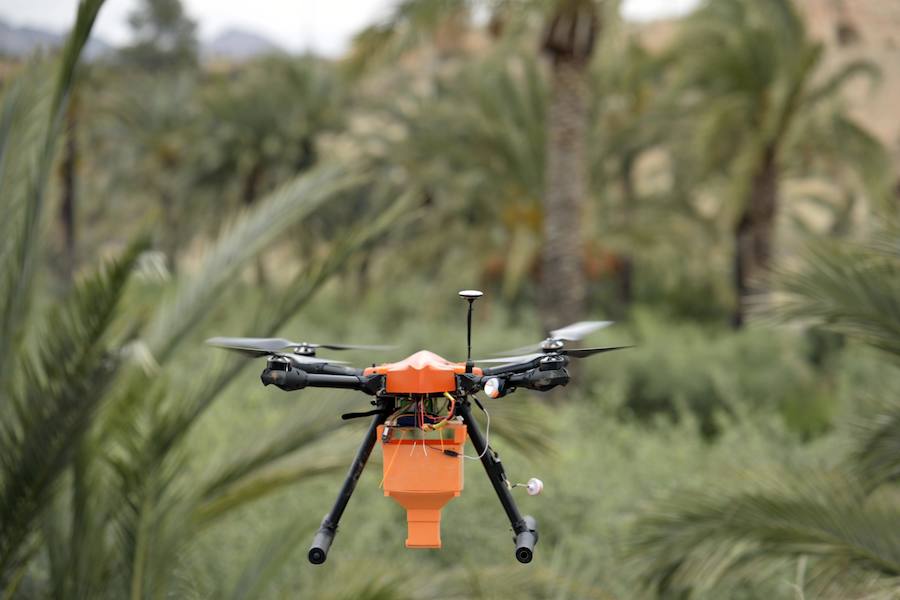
<point>870,30</point>
<point>850,30</point>
<point>22,41</point>
<point>234,44</point>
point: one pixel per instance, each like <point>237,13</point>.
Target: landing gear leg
<point>318,552</point>
<point>524,528</point>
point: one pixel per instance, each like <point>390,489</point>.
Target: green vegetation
<point>836,523</point>
<point>748,447</point>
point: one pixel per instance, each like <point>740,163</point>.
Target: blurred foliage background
<point>723,185</point>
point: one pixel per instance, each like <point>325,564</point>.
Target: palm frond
<point>188,300</point>
<point>849,288</point>
<point>877,458</point>
<point>65,377</point>
<point>522,425</point>
<point>244,239</point>
<point>699,539</point>
<point>277,309</point>
<point>84,23</point>
<point>264,481</point>
<point>313,426</point>
<point>20,260</point>
<point>838,80</point>
<point>259,571</point>
<point>11,113</point>
<point>886,242</point>
<point>834,144</point>
<point>153,506</point>
<point>410,22</point>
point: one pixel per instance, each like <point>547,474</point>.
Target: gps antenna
<point>471,296</point>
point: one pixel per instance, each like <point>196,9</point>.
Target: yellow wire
<point>390,464</point>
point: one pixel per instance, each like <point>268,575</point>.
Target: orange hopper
<point>422,478</point>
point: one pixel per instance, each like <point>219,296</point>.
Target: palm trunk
<point>753,236</point>
<point>251,184</point>
<point>569,41</point>
<point>308,154</point>
<point>629,197</point>
<point>563,287</point>
<point>69,182</point>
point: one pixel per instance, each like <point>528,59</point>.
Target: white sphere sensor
<point>534,486</point>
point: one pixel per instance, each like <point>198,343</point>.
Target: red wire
<point>420,414</point>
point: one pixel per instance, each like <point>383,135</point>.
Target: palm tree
<point>629,120</point>
<point>154,121</point>
<point>752,75</point>
<point>262,124</point>
<point>479,136</point>
<point>429,27</point>
<point>838,527</point>
<point>568,41</point>
<point>164,37</point>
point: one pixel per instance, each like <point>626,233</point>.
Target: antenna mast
<point>470,296</point>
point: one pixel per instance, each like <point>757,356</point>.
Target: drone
<point>422,416</point>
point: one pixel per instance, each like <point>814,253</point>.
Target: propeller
<point>375,347</point>
<point>558,337</point>
<point>301,352</point>
<point>574,353</point>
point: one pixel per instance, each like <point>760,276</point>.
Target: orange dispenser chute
<point>422,479</point>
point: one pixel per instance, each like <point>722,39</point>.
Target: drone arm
<point>328,369</point>
<point>511,369</point>
<point>296,379</point>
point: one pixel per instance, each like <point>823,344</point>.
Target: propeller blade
<point>257,347</point>
<point>585,352</point>
<point>251,346</point>
<point>246,352</point>
<point>299,359</point>
<point>569,333</point>
<point>574,353</point>
<point>576,331</point>
<point>353,347</point>
<point>521,350</point>
<point>513,359</point>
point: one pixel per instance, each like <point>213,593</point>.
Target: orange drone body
<point>422,482</point>
<point>422,373</point>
